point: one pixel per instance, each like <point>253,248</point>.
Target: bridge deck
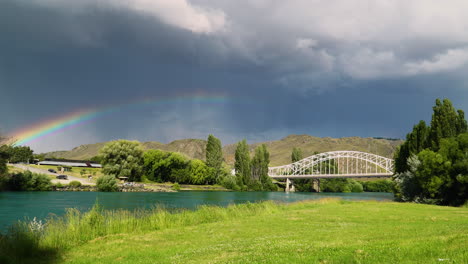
<point>331,176</point>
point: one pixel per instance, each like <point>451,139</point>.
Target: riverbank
<point>321,231</point>
<point>140,187</point>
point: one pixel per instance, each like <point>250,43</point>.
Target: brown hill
<point>280,150</point>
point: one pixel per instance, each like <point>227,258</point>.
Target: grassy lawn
<point>309,232</point>
<point>323,231</point>
<point>12,169</point>
<point>75,171</point>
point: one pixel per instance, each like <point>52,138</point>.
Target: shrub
<point>229,182</point>
<point>378,186</point>
<point>356,186</point>
<point>74,184</point>
<point>107,183</point>
<point>28,181</point>
<point>176,186</point>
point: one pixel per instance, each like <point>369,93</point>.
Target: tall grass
<point>26,242</point>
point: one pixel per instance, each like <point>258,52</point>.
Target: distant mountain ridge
<point>280,150</point>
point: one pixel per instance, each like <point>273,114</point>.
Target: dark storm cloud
<point>331,68</point>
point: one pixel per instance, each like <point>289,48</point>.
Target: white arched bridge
<point>335,164</point>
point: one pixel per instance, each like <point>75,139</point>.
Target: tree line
<point>123,158</point>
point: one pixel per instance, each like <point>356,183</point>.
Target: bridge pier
<point>316,185</point>
<point>289,186</point>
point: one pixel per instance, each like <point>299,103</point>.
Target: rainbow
<point>56,125</point>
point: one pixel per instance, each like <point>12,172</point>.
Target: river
<point>16,206</point>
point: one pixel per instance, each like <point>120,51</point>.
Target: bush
<point>28,181</point>
<point>229,182</point>
<point>74,184</point>
<point>176,186</point>
<point>356,186</point>
<point>378,186</point>
<point>107,183</point>
<point>340,185</point>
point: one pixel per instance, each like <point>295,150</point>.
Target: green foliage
<point>259,165</point>
<point>214,156</point>
<point>446,122</point>
<point>161,166</point>
<point>96,159</point>
<point>74,184</point>
<point>229,181</point>
<point>4,155</point>
<point>28,181</point>
<point>242,164</point>
<point>378,186</point>
<point>340,185</point>
<point>431,165</point>
<point>123,158</point>
<point>18,153</point>
<point>201,173</point>
<point>176,186</point>
<point>356,186</point>
<point>107,183</point>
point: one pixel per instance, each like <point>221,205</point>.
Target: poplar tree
<point>296,155</point>
<point>242,163</point>
<point>446,122</point>
<point>214,155</point>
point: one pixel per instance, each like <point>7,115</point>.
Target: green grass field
<point>75,171</point>
<point>324,231</point>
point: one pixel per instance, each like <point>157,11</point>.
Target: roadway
<point>45,171</point>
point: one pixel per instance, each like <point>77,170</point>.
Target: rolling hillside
<point>280,150</point>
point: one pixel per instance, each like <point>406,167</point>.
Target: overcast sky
<point>331,68</point>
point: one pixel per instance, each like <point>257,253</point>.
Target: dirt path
<point>44,171</point>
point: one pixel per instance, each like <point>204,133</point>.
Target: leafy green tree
<point>242,164</point>
<point>19,153</point>
<point>164,166</point>
<point>200,173</point>
<point>214,156</point>
<point>107,183</point>
<point>296,155</point>
<point>123,158</point>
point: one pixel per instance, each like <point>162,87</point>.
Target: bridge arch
<point>336,164</point>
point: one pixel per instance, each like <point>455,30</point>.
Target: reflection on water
<point>26,205</point>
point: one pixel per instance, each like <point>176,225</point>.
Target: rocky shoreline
<point>89,188</point>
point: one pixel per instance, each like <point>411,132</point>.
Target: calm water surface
<point>26,205</point>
